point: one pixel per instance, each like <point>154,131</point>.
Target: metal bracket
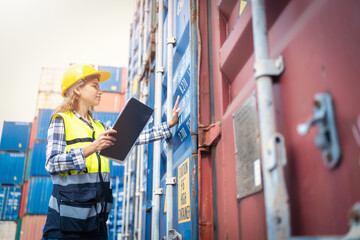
<point>209,135</point>
<point>160,69</point>
<point>269,67</point>
<point>276,149</point>
<point>354,216</point>
<point>171,181</point>
<point>327,138</point>
<point>173,234</point>
<point>158,191</point>
<point>171,40</point>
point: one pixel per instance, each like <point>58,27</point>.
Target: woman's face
<point>90,92</point>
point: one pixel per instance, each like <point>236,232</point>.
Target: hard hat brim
<point>103,76</point>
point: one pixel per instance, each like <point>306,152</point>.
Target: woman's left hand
<point>175,118</point>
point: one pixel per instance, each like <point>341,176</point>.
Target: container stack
<point>112,102</point>
<point>37,187</point>
<point>13,159</point>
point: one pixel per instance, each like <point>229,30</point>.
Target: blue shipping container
<point>114,83</point>
<point>9,202</point>
<point>106,118</point>
<point>38,159</point>
<point>40,189</point>
<point>43,123</point>
<point>116,170</point>
<point>115,217</point>
<point>12,168</point>
<point>15,136</point>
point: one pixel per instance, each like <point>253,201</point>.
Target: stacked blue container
<point>14,145</point>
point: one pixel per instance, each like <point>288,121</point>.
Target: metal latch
<point>173,234</point>
<point>327,138</point>
<point>171,181</point>
<point>158,191</point>
<point>171,40</point>
<point>160,69</point>
<point>269,67</point>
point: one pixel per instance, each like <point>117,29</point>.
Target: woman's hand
<point>104,140</point>
<point>175,118</point>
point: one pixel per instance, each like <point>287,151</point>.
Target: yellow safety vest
<point>77,135</point>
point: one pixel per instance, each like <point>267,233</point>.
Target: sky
<point>54,33</point>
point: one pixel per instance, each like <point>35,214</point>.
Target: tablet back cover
<point>129,124</point>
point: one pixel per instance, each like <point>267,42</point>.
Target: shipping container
<point>115,220</point>
<point>10,198</point>
<point>24,197</point>
<point>32,227</point>
<point>244,193</point>
<point>110,102</point>
<point>49,100</point>
<point>33,133</point>
<point>12,167</point>
<point>50,80</point>
<point>38,159</point>
<point>114,83</point>
<point>15,136</point>
<point>116,170</point>
<point>7,230</point>
<point>28,165</point>
<point>44,118</point>
<point>107,118</point>
<point>40,189</point>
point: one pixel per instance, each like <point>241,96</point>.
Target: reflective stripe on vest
<point>77,135</point>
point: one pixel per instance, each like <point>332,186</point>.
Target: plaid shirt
<point>57,160</point>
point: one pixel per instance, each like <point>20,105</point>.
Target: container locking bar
<point>171,40</point>
<point>327,138</point>
<point>173,234</point>
<point>171,181</point>
<point>269,67</point>
<point>158,191</point>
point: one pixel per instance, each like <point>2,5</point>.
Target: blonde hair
<point>69,105</point>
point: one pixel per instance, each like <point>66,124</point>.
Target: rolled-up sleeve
<point>57,159</point>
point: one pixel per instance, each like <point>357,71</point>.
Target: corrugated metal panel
<point>32,226</point>
<point>113,84</point>
<point>118,195</point>
<point>110,102</point>
<point>12,167</point>
<point>44,118</point>
<point>28,165</point>
<point>33,133</point>
<point>105,117</point>
<point>49,100</point>
<point>24,194</point>
<point>38,159</point>
<point>15,136</point>
<point>7,230</point>
<point>40,189</point>
<point>9,202</point>
<point>116,170</point>
<point>51,79</point>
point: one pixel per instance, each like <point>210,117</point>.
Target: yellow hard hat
<point>78,72</point>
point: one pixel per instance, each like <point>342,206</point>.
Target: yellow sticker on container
<point>15,178</point>
<point>20,145</point>
<point>165,203</point>
<point>242,6</point>
<point>135,85</point>
<point>184,214</point>
<point>113,88</point>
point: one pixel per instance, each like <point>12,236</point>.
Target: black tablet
<point>129,124</point>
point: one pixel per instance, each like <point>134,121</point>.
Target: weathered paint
<point>32,226</point>
<point>318,40</point>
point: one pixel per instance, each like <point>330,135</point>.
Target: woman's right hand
<point>104,140</point>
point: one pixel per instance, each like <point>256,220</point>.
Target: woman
<point>81,199</point>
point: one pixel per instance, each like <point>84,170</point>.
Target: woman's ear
<point>77,91</point>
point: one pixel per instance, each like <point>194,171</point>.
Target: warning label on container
<point>184,214</point>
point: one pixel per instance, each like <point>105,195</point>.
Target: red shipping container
<point>33,133</point>
<point>24,194</point>
<point>32,227</point>
<point>110,102</point>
